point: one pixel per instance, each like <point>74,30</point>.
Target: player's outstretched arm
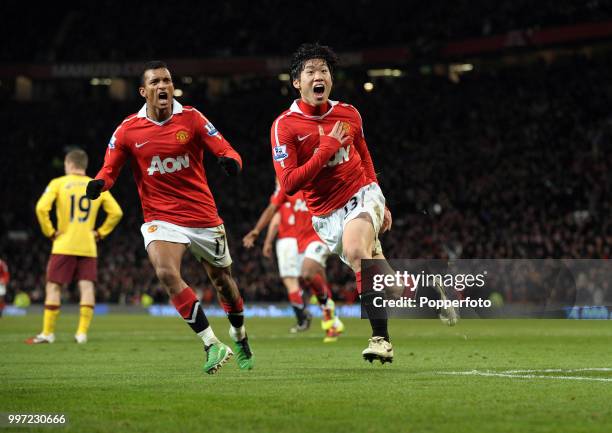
<point>212,140</point>
<point>264,219</point>
<point>114,159</point>
<point>270,235</point>
<point>368,168</point>
<point>291,177</point>
<point>366,160</point>
<point>362,148</point>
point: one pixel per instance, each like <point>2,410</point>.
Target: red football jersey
<point>286,228</point>
<point>327,184</point>
<point>167,164</point>
<point>304,232</point>
<point>5,276</point>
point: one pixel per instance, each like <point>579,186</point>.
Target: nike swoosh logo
<point>300,138</point>
<point>141,144</point>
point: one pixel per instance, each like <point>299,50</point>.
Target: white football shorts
<point>368,199</point>
<point>287,257</point>
<point>317,251</point>
<point>208,244</point>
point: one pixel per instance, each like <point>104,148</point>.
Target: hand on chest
<point>308,138</point>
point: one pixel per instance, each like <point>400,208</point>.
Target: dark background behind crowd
<point>508,161</point>
<point>111,31</point>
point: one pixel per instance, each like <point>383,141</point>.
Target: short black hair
<point>151,64</point>
<point>309,51</point>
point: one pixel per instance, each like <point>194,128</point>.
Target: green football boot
<point>217,354</point>
<point>244,356</point>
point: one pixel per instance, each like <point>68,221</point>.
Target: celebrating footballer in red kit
<point>319,147</point>
<point>165,144</point>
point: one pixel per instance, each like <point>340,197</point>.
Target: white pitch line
<point>557,370</point>
<point>523,376</point>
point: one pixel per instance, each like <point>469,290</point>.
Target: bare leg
<point>53,293</point>
<point>313,277</point>
<point>229,297</point>
<point>232,303</point>
<point>86,288</point>
<point>358,242</point>
<point>166,260</point>
<point>291,284</point>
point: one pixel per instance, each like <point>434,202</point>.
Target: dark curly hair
<point>312,51</point>
<point>151,64</point>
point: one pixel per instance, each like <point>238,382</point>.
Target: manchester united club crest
<point>182,136</point>
<point>152,228</point>
<point>346,128</point>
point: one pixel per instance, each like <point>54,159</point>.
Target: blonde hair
<point>78,157</point>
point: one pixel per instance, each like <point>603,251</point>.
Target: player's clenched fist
<point>230,166</point>
<point>94,188</point>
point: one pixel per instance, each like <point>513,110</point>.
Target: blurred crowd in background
<point>508,162</point>
<point>270,27</point>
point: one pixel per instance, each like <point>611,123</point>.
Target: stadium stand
<point>509,161</point>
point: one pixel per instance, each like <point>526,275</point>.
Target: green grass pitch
<point>143,374</point>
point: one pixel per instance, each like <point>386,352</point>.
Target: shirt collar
<point>295,107</point>
<point>176,108</point>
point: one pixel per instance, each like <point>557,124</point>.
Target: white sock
<point>237,334</point>
<point>208,336</point>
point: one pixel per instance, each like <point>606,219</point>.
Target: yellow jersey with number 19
<point>76,215</point>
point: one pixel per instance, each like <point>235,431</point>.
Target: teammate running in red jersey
<point>313,254</point>
<point>283,225</point>
<point>319,147</point>
<point>165,143</point>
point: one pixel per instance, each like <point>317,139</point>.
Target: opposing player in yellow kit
<point>74,253</point>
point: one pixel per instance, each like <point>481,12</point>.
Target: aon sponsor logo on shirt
<point>300,206</point>
<point>168,165</point>
<point>340,157</point>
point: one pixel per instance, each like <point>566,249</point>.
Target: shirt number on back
<point>84,205</point>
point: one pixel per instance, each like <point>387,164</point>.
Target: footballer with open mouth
<point>158,90</point>
<point>314,82</point>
